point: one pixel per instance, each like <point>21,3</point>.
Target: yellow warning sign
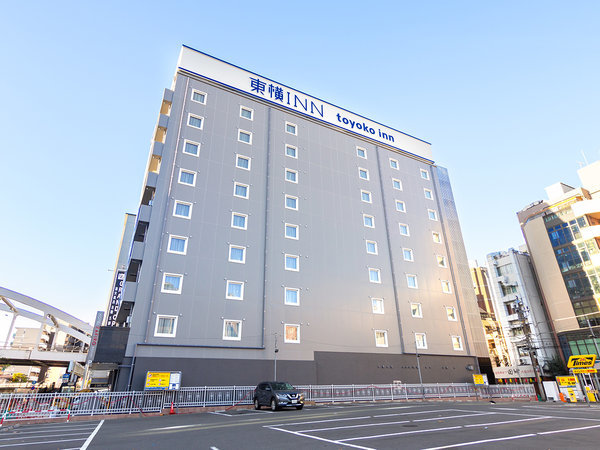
<point>157,381</point>
<point>566,381</point>
<point>480,379</point>
<point>585,370</point>
<point>581,361</point>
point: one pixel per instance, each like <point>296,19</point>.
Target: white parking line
<point>398,434</point>
<point>42,442</point>
<point>177,427</point>
<point>353,426</point>
<point>89,439</point>
<point>61,429</point>
<point>322,439</point>
<point>220,414</point>
<point>316,421</point>
<point>453,417</point>
<point>506,421</point>
<point>570,429</point>
<point>17,436</point>
<point>422,412</point>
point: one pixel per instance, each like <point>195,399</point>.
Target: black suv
<point>277,394</point>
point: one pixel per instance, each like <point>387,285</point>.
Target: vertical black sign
<point>115,299</point>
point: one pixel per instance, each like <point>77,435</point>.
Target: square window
<point>246,113</point>
<point>187,177</point>
<point>411,281</point>
<point>363,173</point>
<point>361,152</point>
<point>245,136</point>
<point>177,244</point>
<point>400,206</point>
<point>191,148</point>
<point>381,338</point>
<point>237,254</point>
<point>291,151</point>
<point>374,275</point>
<point>404,231</point>
<point>457,343</point>
<point>291,202</point>
<point>372,247</point>
<point>393,164</point>
<point>239,220</point>
<point>437,237</point>
<point>291,175</point>
<point>240,190</point>
<point>424,174</point>
<point>195,121</point>
<point>428,194</point>
<point>291,128</point>
<point>377,305</point>
<point>235,290</point>
<point>451,313</point>
<point>232,330</point>
<point>416,310</point>
<point>242,162</point>
<point>292,296</point>
<point>421,340</point>
<point>199,96</point>
<point>368,221</point>
<point>396,184</point>
<point>182,209</point>
<point>408,254</point>
<point>365,196</point>
<point>441,260</point>
<point>291,231</point>
<point>432,214</point>
<point>292,262</point>
<point>446,289</point>
<point>172,283</point>
<point>166,326</point>
<point>291,333</point>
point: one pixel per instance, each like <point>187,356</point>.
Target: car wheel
<point>256,404</point>
<point>299,407</point>
<point>274,406</point>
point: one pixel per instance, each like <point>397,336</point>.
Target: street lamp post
<point>275,366</point>
<point>419,365</point>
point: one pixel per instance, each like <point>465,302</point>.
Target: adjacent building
<point>278,228</point>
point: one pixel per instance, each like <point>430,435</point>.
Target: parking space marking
<point>177,427</point>
<point>316,421</point>
<point>218,413</point>
<point>569,429</point>
<point>91,436</point>
<point>42,442</point>
<point>297,433</point>
<point>88,428</point>
<point>483,441</point>
<point>353,426</point>
<point>38,437</point>
<point>506,421</point>
<point>453,417</point>
<point>399,433</point>
<point>422,412</point>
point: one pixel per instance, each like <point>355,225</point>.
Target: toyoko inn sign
<point>214,69</point>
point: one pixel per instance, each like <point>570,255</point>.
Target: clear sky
<point>507,92</point>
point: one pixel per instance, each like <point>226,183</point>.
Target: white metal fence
<point>32,406</point>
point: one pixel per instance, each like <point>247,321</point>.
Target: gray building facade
<point>272,220</point>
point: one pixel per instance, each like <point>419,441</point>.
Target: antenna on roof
<point>584,158</point>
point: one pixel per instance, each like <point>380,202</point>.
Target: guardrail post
<point>392,391</point>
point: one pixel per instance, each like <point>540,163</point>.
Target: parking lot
<point>391,425</point>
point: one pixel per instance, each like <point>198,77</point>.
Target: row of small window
<point>369,222</point>
<point>363,174</point>
<point>411,280</point>
<point>362,153</point>
<point>381,340</point>
<point>407,253</point>
<point>244,136</point>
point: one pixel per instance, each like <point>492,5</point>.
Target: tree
<point>556,366</point>
<point>19,378</point>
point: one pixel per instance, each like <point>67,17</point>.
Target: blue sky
<point>507,93</point>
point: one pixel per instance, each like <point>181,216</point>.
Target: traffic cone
<point>172,410</point>
<point>562,397</point>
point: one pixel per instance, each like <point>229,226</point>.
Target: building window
<point>363,173</point>
<point>239,220</point>
<point>177,244</point>
<point>451,313</point>
<point>408,254</point>
<point>191,148</point>
<point>446,289</point>
<point>437,237</point>
<point>424,174</point>
<point>237,254</point>
<point>234,290</point>
<point>291,128</point>
<point>381,338</point>
<point>457,343</point>
<point>245,136</point>
<point>416,310</point>
<point>441,260</point>
<point>291,202</point>
<point>396,184</point>
<point>372,247</point>
<point>292,262</point>
<point>187,177</point>
<point>291,231</point>
<point>400,206</point>
<point>432,214</point>
<point>394,163</point>
<point>404,231</point>
<point>368,221</point>
<point>240,190</point>
<point>172,283</point>
<point>246,113</point>
<point>421,340</point>
<point>232,330</point>
<point>292,296</point>
<point>365,196</point>
<point>411,281</point>
<point>428,194</point>
<point>198,96</point>
<point>377,305</point>
<point>361,152</point>
<point>291,151</point>
<point>291,175</point>
<point>374,275</point>
<point>242,162</point>
<point>291,333</point>
<point>182,209</point>
<point>195,121</point>
<point>166,326</point>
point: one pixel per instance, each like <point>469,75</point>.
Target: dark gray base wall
<point>327,368</point>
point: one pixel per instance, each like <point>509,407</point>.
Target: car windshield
<point>278,386</point>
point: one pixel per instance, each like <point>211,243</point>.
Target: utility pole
<point>530,349</point>
<point>419,365</point>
